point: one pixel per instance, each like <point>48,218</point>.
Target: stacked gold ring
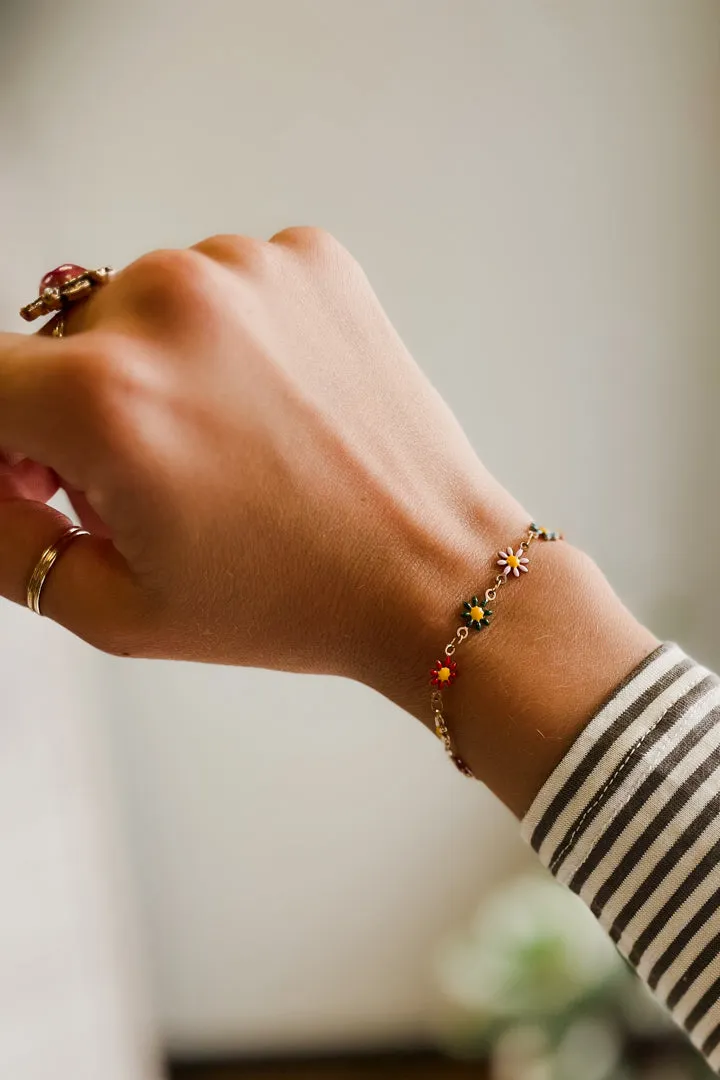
<point>45,564</point>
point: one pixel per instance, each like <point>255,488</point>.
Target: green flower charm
<point>476,614</point>
<point>544,534</point>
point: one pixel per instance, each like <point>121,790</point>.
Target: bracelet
<point>477,615</point>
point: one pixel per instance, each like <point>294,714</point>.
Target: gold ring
<point>45,564</point>
<point>63,286</point>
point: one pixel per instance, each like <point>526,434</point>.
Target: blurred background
<point>238,870</point>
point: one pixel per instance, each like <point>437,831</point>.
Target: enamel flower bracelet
<point>477,614</point>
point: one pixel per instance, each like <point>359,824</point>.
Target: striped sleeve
<point>630,820</point>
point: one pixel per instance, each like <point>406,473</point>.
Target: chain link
<point>441,730</point>
<point>460,635</point>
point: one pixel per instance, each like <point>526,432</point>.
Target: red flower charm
<point>444,673</point>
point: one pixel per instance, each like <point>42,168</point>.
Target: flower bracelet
<point>477,615</point>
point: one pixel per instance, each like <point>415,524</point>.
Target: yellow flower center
<point>513,562</point>
<point>444,674</point>
<point>477,613</point>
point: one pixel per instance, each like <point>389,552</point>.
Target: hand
<point>269,477</point>
<point>270,480</point>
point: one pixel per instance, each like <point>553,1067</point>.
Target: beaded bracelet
<point>476,615</point>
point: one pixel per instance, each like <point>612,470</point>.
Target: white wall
<point>532,186</point>
<point>71,1003</point>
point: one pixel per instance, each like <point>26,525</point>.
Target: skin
<point>270,480</point>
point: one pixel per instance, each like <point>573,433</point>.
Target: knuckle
<point>164,267</point>
<point>240,252</point>
<point>310,239</point>
<point>165,284</point>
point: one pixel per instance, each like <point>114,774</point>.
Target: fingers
<point>89,590</point>
<point>89,518</point>
<point>59,400</point>
<point>26,366</point>
<point>21,478</point>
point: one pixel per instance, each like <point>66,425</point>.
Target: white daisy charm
<point>513,563</point>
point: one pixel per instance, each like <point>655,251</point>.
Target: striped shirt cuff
<point>630,820</point>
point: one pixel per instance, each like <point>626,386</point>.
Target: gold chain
<point>461,635</point>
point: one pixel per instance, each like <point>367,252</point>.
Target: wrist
<point>559,643</point>
<point>418,593</point>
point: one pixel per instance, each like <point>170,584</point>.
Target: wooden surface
<point>649,1059</point>
<point>412,1067</point>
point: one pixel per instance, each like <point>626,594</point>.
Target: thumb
<point>89,590</point>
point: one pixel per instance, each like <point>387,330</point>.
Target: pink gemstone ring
<point>63,286</point>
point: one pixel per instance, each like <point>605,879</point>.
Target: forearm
<point>607,746</point>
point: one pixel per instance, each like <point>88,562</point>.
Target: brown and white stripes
<point>630,820</point>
